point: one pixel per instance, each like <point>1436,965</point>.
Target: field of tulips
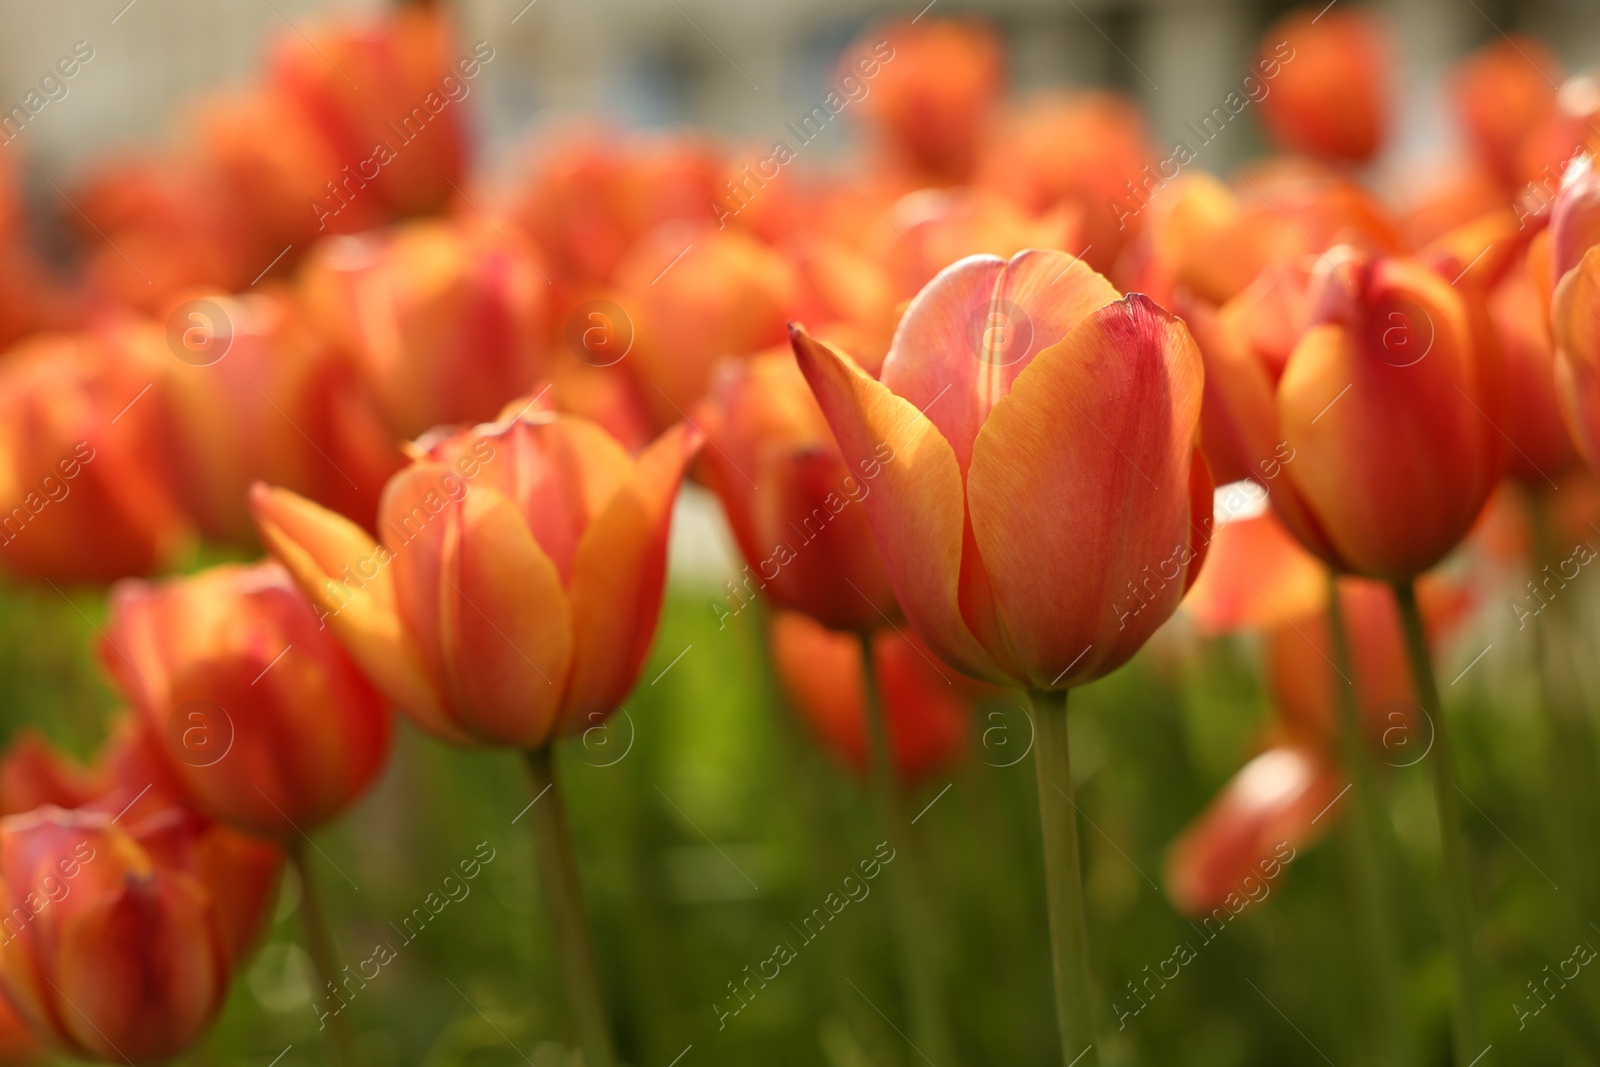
<point>1002,595</point>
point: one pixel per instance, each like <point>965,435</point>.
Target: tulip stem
<point>558,871</point>
<point>1365,843</point>
<point>324,956</point>
<point>1063,875</point>
<point>1446,794</point>
<point>913,926</point>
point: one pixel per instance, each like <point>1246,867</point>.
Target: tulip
<point>1045,505</point>
<point>108,953</point>
<point>1216,243</point>
<point>82,497</point>
<point>518,585</point>
<point>1027,583</point>
<point>1502,93</point>
<point>513,602</point>
<point>1256,575</point>
<point>728,295</point>
<point>254,393</point>
<point>821,672</point>
<point>928,92</point>
<point>146,797</point>
<point>445,320</point>
<point>269,724</point>
<point>794,504</point>
<point>388,99</point>
<point>1329,84</point>
<point>1388,339</point>
<point>592,192</point>
<point>1265,814</point>
<point>1091,150</point>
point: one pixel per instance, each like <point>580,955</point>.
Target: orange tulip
<point>927,91</point>
<point>1387,406</point>
<point>388,98</point>
<point>1217,243</point>
<point>925,715</point>
<point>146,797</point>
<point>1041,502</point>
<point>794,504</point>
<point>248,391</point>
<point>694,296</point>
<point>1264,815</point>
<point>592,192</point>
<point>82,495</point>
<point>268,723</point>
<point>1503,92</point>
<point>1090,150</point>
<point>517,589</point>
<point>445,320</point>
<point>1541,445</point>
<point>1330,97</point>
<point>110,954</point>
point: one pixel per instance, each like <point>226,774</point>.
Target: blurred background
<point>740,68</point>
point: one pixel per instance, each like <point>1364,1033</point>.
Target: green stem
<point>913,925</point>
<point>1364,841</point>
<point>1063,875</point>
<point>558,871</point>
<point>319,944</point>
<point>1447,798</point>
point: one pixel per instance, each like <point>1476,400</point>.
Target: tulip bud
<point>1042,506</point>
<point>1387,405</point>
<point>925,711</point>
<point>387,99</point>
<point>927,92</point>
<point>267,721</point>
<point>1503,92</point>
<point>1091,148</point>
<point>1328,78</point>
<point>107,953</point>
<point>794,505</point>
<point>445,320</point>
<point>728,295</point>
<point>82,496</point>
<point>247,391</point>
<point>517,589</point>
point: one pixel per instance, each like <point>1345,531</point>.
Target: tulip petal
<point>485,604</point>
<point>974,328</point>
<point>1079,491</point>
<point>1262,816</point>
<point>618,574</point>
<point>1575,320</point>
<point>916,508</point>
<point>319,548</point>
